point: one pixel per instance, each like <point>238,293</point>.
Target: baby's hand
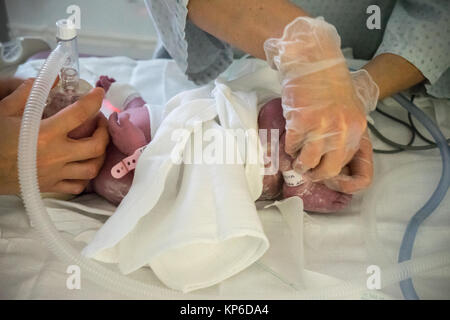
<point>125,135</point>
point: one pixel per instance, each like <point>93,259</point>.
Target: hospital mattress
<point>322,251</point>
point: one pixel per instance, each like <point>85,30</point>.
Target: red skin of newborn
<point>315,195</point>
<point>130,130</point>
<point>271,117</point>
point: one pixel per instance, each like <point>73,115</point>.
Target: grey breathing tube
<point>438,195</point>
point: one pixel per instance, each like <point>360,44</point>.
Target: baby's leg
<point>315,195</point>
<point>125,139</point>
<point>112,189</point>
<point>129,130</point>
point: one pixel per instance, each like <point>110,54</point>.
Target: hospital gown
<point>416,30</point>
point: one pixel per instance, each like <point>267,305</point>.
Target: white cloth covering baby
<point>194,224</point>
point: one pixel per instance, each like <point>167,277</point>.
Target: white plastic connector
<point>65,30</point>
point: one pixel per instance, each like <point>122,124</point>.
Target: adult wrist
<point>308,45</point>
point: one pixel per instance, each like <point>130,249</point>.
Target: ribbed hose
<point>31,194</point>
<point>409,237</point>
<point>389,275</point>
<point>126,286</point>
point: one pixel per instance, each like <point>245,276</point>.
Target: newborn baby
<point>130,131</point>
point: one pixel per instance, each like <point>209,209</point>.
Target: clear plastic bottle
<point>70,87</point>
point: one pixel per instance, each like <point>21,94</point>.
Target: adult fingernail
<point>333,184</point>
<point>299,167</point>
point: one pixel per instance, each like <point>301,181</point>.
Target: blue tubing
<point>438,195</point>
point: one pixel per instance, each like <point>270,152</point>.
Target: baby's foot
<point>105,82</point>
<point>317,197</point>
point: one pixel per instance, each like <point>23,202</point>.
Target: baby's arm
<point>130,129</point>
<point>126,136</point>
<point>121,95</point>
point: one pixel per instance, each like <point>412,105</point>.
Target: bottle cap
<point>65,30</point>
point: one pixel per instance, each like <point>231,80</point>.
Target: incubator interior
<point>308,256</point>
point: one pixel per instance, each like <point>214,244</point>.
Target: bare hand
<point>64,165</point>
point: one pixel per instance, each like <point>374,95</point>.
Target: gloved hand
<point>325,118</point>
<point>359,171</point>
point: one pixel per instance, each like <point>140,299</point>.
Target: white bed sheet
<point>335,245</point>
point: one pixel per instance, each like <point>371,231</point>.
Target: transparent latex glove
<point>358,173</point>
<point>366,90</point>
<point>325,119</point>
